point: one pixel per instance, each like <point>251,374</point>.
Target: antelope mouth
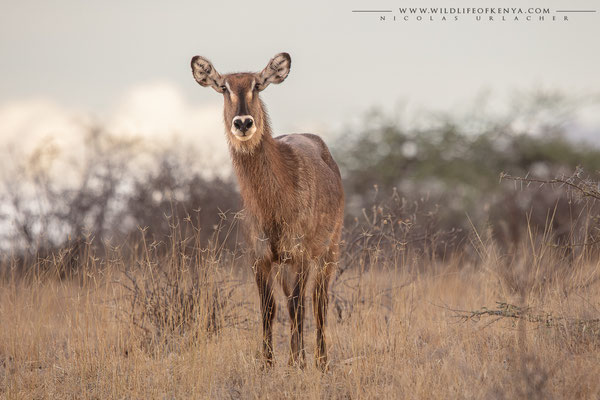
<point>243,136</point>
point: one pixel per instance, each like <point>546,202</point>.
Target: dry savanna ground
<point>152,323</point>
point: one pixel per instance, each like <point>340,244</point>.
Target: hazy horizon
<point>127,66</point>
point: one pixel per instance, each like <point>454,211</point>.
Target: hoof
<point>322,364</point>
<point>297,363</point>
<point>266,365</point>
<point>266,360</point>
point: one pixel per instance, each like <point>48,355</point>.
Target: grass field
<point>155,324</point>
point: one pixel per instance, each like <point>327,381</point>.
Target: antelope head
<point>245,114</point>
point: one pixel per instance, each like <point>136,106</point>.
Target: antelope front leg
<point>262,270</point>
<point>320,301</point>
<point>296,309</point>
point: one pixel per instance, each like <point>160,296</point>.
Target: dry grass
<point>177,323</point>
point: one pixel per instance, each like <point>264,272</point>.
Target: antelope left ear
<point>276,71</point>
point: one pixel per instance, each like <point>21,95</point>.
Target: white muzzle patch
<point>243,127</point>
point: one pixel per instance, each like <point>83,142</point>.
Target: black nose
<point>243,124</point>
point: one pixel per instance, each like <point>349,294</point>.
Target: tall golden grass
<point>174,319</point>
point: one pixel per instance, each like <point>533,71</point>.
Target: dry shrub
<point>394,230</point>
<point>114,186</point>
<point>183,289</point>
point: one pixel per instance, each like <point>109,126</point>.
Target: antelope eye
<point>257,87</point>
<point>224,88</point>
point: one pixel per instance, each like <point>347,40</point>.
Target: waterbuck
<point>292,193</point>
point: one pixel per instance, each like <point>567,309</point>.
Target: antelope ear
<point>206,75</point>
<point>276,71</point>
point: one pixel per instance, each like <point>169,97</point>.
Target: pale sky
<point>126,63</point>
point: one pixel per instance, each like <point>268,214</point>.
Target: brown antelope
<point>293,196</point>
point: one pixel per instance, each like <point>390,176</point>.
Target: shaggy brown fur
<point>292,191</point>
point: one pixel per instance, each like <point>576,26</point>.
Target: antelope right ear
<point>206,75</point>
